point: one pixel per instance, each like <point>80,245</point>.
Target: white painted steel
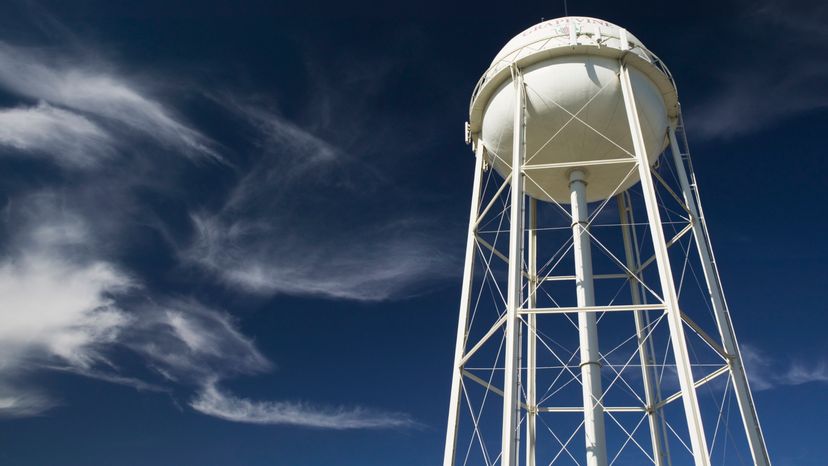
<point>492,330</point>
<point>593,309</point>
<point>741,387</point>
<point>692,413</point>
<point>532,337</point>
<point>511,370</point>
<point>463,319</point>
<point>554,38</point>
<point>557,89</point>
<point>655,417</point>
<point>562,32</point>
<point>594,432</point>
<point>583,102</point>
<point>574,104</point>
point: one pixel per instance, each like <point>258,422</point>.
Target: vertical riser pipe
<point>594,432</point>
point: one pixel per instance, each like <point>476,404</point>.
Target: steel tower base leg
<point>462,324</point>
<point>652,394</point>
<point>741,388</point>
<point>698,442</point>
<point>511,366</point>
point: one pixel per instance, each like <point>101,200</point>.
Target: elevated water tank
<point>574,105</point>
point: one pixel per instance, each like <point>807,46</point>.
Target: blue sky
<point>231,233</point>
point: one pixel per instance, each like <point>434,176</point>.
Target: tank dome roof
<point>558,30</point>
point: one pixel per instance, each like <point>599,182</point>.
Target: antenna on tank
<point>566,10</point>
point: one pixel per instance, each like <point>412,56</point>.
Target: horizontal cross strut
<point>581,163</point>
<point>576,309</point>
<point>600,276</point>
<point>580,409</point>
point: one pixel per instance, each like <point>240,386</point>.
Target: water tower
<point>593,328</point>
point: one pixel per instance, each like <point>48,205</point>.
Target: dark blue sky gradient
<point>384,87</point>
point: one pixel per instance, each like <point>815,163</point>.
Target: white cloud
<point>754,95</point>
<point>75,311</point>
<point>110,377</point>
<point>57,303</point>
<point>767,372</point>
<point>188,342</point>
<point>309,218</point>
<point>54,311</point>
<point>59,312</point>
<point>289,138</point>
<point>47,305</point>
<point>20,401</point>
<point>808,18</point>
<point>89,87</point>
<point>799,373</point>
<point>375,263</point>
<point>68,138</point>
<point>751,100</point>
<point>215,402</point>
<point>64,308</point>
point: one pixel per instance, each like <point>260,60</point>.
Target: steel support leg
<point>465,302</point>
<point>695,427</point>
<point>511,370</point>
<point>741,388</point>
<point>642,330</point>
<point>531,336</point>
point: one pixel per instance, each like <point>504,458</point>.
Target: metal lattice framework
<point>531,384</point>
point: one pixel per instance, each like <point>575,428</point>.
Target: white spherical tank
<point>575,108</point>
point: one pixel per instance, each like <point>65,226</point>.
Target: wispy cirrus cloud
<point>214,402</point>
<point>23,401</point>
<point>311,218</point>
<point>67,138</point>
<point>372,263</point>
<point>89,87</point>
<point>187,342</point>
<point>108,375</point>
<point>753,100</point>
<point>754,95</point>
<point>79,111</point>
<point>58,308</point>
<point>53,313</point>
<point>767,372</point>
<point>104,310</point>
<point>68,322</point>
<point>67,309</point>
